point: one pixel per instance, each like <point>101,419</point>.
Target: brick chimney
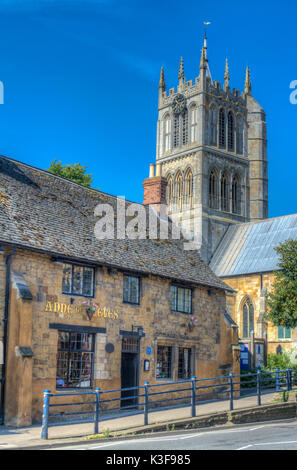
<point>154,188</point>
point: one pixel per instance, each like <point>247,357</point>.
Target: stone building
<point>211,162</point>
<point>212,147</point>
<point>77,312</point>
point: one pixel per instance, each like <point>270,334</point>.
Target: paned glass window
<point>247,319</point>
<point>184,363</point>
<point>75,359</point>
<point>284,333</point>
<point>131,289</point>
<point>181,299</point>
<point>78,280</point>
<point>164,362</point>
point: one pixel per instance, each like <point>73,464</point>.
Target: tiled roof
<point>39,210</point>
<point>249,248</point>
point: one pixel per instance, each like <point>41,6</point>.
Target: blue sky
<point>81,80</point>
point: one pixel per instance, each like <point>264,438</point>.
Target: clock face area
<point>178,104</point>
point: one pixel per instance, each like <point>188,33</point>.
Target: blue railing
<point>146,398</point>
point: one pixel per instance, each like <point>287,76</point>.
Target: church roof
<point>44,212</point>
<point>249,248</point>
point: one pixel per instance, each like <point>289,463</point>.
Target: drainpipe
<point>6,310</point>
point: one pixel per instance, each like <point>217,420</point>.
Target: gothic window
<point>169,191</point>
<point>213,190</point>
<point>189,188</point>
<point>236,195</point>
<point>230,132</point>
<point>176,131</point>
<point>224,193</point>
<point>179,190</point>
<point>180,129</point>
<point>194,121</point>
<point>213,126</point>
<point>167,132</point>
<point>185,128</point>
<point>239,135</point>
<point>222,130</point>
<point>247,319</point>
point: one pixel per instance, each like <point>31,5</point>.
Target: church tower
<point>212,151</point>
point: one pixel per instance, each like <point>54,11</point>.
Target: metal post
<point>145,407</point>
<point>259,387</point>
<point>289,371</point>
<point>193,396</point>
<point>277,379</point>
<point>45,413</point>
<point>231,390</point>
<point>97,408</point>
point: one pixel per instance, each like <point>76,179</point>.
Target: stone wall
<point>256,287</point>
<point>30,324</point>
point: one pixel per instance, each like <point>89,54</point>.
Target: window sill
<point>131,303</point>
<point>79,295</point>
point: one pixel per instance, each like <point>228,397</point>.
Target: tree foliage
<point>282,301</point>
<point>75,172</point>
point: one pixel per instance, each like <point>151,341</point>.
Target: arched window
<point>169,194</point>
<point>176,131</point>
<point>247,319</point>
<point>236,195</point>
<point>224,193</point>
<point>230,132</point>
<point>194,121</point>
<point>167,133</point>
<point>239,136</point>
<point>213,124</point>
<point>222,130</point>
<point>185,124</point>
<point>213,190</point>
<point>180,129</point>
<point>179,191</point>
<point>189,188</point>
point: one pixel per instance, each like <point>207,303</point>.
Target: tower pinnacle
<point>181,76</point>
<point>226,76</point>
<point>162,86</point>
<point>247,84</point>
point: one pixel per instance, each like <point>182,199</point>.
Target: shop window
<point>78,280</point>
<point>75,359</point>
<point>164,362</point>
<point>284,333</point>
<point>181,299</point>
<point>131,289</point>
<point>184,363</point>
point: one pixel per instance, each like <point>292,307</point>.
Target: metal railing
<point>147,398</point>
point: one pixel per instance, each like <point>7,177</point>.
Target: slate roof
<point>48,213</point>
<point>249,248</point>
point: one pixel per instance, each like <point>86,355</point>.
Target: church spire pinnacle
<point>247,84</point>
<point>226,76</point>
<point>181,76</point>
<point>162,86</point>
<point>203,59</point>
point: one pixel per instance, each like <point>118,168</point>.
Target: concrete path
<point>31,436</point>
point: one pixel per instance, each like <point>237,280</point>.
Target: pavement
<point>30,437</point>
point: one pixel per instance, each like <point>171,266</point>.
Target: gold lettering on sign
<point>67,310</point>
